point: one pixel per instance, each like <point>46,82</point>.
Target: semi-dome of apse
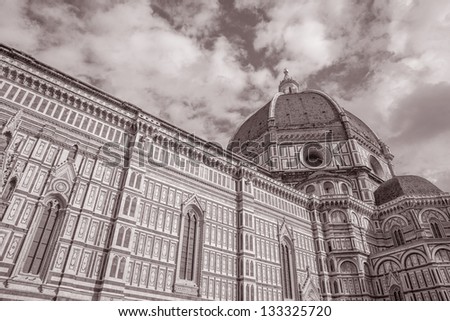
<point>406,185</point>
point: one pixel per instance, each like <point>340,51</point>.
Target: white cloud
<point>15,29</point>
<point>175,62</point>
<point>136,55</point>
<point>404,45</point>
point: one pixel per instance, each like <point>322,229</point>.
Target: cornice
<point>327,202</point>
<point>56,92</point>
<point>279,189</point>
<point>30,115</point>
<point>25,62</point>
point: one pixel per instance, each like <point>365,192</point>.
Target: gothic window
<point>133,207</point>
<point>397,236</point>
<point>189,246</point>
<point>114,264</point>
<point>288,270</point>
<point>126,206</point>
<point>126,242</point>
<point>120,236</point>
<point>436,229</point>
<point>138,181</point>
<point>43,238</point>
<point>328,187</point>
<point>240,267</point>
<point>132,179</point>
<point>395,293</point>
<point>121,268</point>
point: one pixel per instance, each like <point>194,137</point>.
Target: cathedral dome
<point>301,131</point>
<point>404,185</point>
<point>300,114</point>
<point>305,112</point>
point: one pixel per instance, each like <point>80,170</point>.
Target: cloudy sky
<point>206,65</point>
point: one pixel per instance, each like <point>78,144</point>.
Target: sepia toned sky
<point>206,65</point>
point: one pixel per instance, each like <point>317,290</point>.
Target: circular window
<point>315,155</point>
<point>376,166</point>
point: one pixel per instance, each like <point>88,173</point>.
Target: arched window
<point>287,270</point>
<point>126,206</point>
<point>189,246</point>
<point>132,179</point>
<point>138,181</point>
<point>133,207</point>
<point>336,287</point>
<point>397,236</point>
<point>395,293</point>
<point>310,190</point>
<point>120,236</point>
<point>114,264</point>
<point>436,229</point>
<point>121,268</point>
<point>247,243</point>
<point>345,189</point>
<point>126,242</point>
<point>247,267</point>
<point>328,187</point>
<point>43,238</point>
<point>252,273</point>
<point>240,267</point>
<point>332,268</point>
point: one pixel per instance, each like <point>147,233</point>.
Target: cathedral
<point>100,200</point>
